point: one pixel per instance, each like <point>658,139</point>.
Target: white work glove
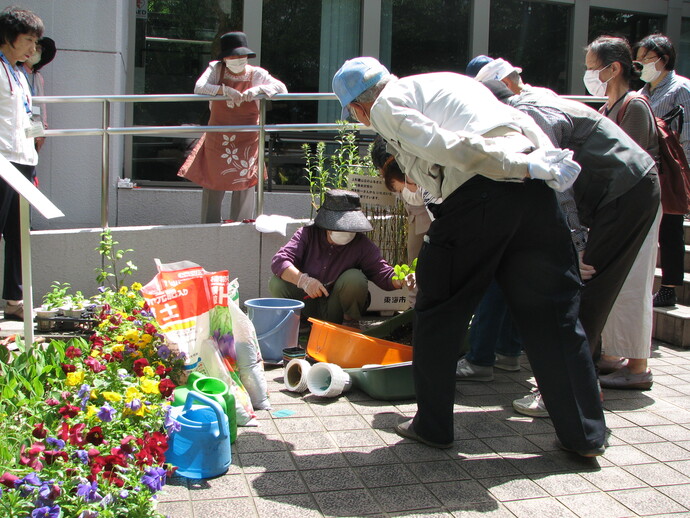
<point>312,287</point>
<point>235,97</point>
<point>555,166</point>
<point>252,93</point>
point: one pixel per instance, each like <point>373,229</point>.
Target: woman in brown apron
<point>228,161</point>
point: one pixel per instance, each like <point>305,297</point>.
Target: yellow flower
<point>95,353</point>
<point>112,396</point>
<point>94,394</point>
<point>132,393</point>
<point>149,386</point>
<point>119,338</point>
<point>136,286</point>
<point>91,410</point>
<point>132,335</point>
<point>118,348</point>
<point>148,371</point>
<point>123,290</point>
<point>146,338</point>
<point>75,378</point>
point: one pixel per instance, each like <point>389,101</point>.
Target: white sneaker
<point>467,371</point>
<point>531,405</point>
<point>507,363</point>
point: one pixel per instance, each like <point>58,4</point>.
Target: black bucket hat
<point>234,44</point>
<point>48,51</point>
<point>342,211</point>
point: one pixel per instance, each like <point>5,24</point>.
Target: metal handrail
<point>106,130</point>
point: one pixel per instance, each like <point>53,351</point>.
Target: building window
<point>533,36</point>
<point>175,40</point>
<point>424,36</point>
<point>633,26</point>
<point>683,49</point>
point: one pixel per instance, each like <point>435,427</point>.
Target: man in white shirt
<point>498,219</point>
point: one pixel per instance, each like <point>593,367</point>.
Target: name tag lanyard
<point>8,66</point>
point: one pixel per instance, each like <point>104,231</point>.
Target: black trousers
<point>615,236</point>
<point>516,233</point>
<point>9,229</point>
<point>672,249</point>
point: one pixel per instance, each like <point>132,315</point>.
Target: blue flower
<point>31,478</point>
<point>154,478</point>
<point>46,512</point>
<point>89,491</point>
<point>164,352</point>
<point>106,413</point>
<point>134,405</point>
<point>84,390</point>
<point>82,455</point>
<point>57,443</point>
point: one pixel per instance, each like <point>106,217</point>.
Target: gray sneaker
<point>467,371</point>
<point>507,363</point>
<point>531,405</point>
<point>624,379</point>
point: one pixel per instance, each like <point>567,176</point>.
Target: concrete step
<point>672,325</point>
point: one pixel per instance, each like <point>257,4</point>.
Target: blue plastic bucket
<point>276,322</point>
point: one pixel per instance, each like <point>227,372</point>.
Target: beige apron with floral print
<point>226,161</point>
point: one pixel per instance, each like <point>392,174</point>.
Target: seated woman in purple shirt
<point>328,264</point>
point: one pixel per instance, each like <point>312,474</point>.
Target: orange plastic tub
<point>349,349</point>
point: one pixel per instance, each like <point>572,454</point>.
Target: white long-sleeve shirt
<point>445,128</point>
<point>15,146</point>
<point>209,82</point>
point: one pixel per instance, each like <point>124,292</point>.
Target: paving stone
<point>671,432</point>
<point>484,468</point>
<point>438,471</point>
<point>299,425</point>
<point>371,455</point>
<point>308,441</point>
<point>647,501</point>
<point>612,478</point>
<point>267,461</point>
<point>623,455</point>
<point>330,408</point>
<point>287,506</point>
<point>175,509</point>
<point>226,486</point>
<point>635,435</point>
<point>666,451</point>
<point>174,490</point>
<point>511,488</point>
<point>405,498</point>
<point>335,479</point>
<point>539,507</point>
<point>224,508</point>
<point>558,484</point>
<point>349,422</point>
<point>595,505</point>
<point>682,466</point>
<point>385,475</point>
<point>353,502</point>
<point>644,418</point>
<point>679,493</point>
<point>319,459</point>
<point>255,442</point>
<point>347,438</point>
<point>276,483</point>
<point>461,492</point>
<point>657,474</point>
<point>482,510</point>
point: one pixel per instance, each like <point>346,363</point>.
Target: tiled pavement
<point>341,457</point>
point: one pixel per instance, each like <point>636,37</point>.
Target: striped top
<point>672,91</point>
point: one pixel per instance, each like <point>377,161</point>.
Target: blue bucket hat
<point>476,64</point>
<point>355,77</point>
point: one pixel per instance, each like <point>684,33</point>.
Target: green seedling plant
<point>403,270</point>
<point>58,296</point>
<point>110,272</point>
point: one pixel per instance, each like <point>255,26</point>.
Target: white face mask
<point>236,66</point>
<point>341,238</point>
<point>412,198</point>
<point>34,59</point>
<point>594,85</point>
<point>649,72</point>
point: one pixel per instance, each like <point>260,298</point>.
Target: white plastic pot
<point>295,375</point>
<point>328,380</point>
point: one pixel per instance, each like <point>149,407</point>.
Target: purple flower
<point>106,413</point>
<point>154,478</point>
<point>134,405</point>
<point>164,352</point>
<point>226,344</point>
<point>89,514</point>
<point>82,456</point>
<point>84,390</point>
<point>124,494</point>
<point>58,444</point>
<point>89,491</point>
<point>170,424</point>
<point>31,478</point>
<point>46,512</point>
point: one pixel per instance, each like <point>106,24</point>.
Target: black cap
<point>234,44</point>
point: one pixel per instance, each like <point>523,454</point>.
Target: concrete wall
<point>71,256</point>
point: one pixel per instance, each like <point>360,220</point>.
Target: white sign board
<point>372,191</point>
<point>29,191</point>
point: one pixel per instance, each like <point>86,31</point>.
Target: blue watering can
<point>201,447</point>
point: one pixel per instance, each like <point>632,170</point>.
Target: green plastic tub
<point>386,382</point>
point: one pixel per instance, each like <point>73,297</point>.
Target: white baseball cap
<point>497,70</point>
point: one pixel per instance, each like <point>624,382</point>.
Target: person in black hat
<point>328,264</point>
<point>229,161</point>
<point>45,53</point>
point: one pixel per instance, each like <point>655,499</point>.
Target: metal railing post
<point>105,166</point>
<point>262,146</point>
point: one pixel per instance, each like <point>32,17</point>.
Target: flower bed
<point>82,422</point>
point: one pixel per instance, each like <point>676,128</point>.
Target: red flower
<point>68,367</point>
<point>52,455</point>
<point>76,435</point>
<point>111,476</point>
<point>163,371</point>
<point>131,318</point>
<point>96,340</point>
<point>149,328</point>
<point>69,411</point>
<point>95,436</point>
<point>139,366</point>
<point>166,387</point>
<point>8,479</point>
<point>117,355</point>
<point>73,352</point>
<point>93,364</point>
<point>30,457</point>
<point>127,444</point>
<point>51,401</point>
<point>64,431</point>
<point>39,431</point>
